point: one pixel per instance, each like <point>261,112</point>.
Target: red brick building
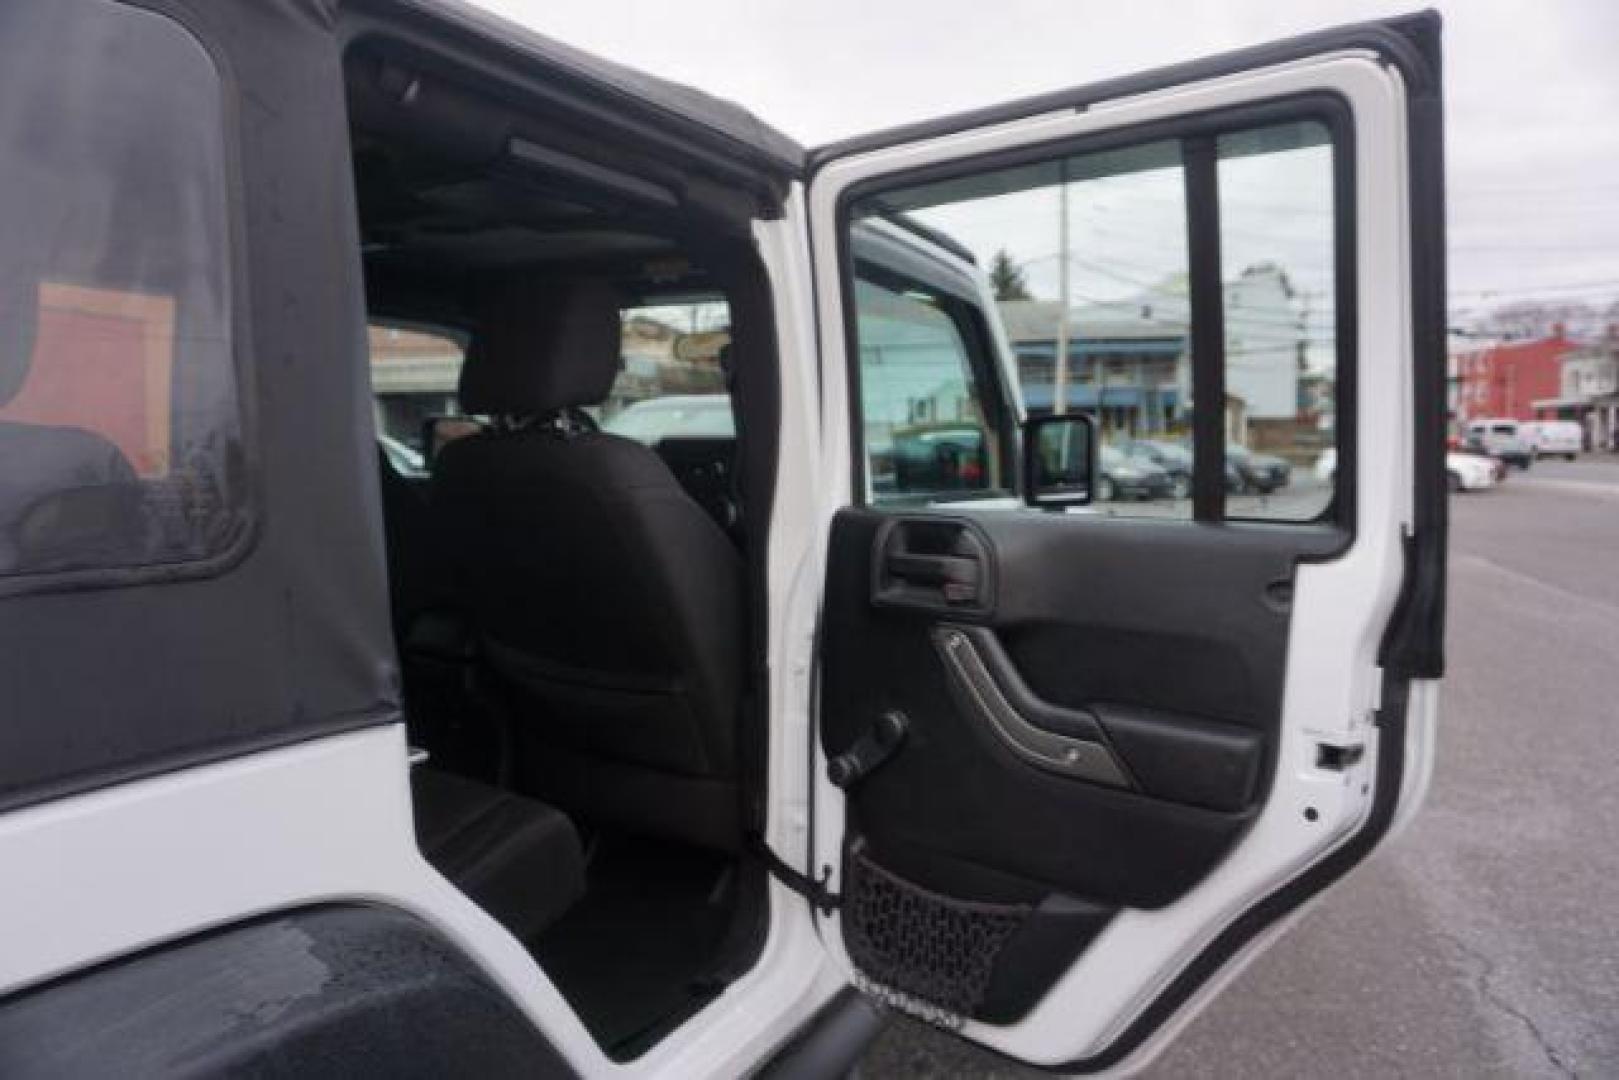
<point>1506,380</point>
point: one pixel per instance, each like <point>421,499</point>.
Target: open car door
<point>1079,766</point>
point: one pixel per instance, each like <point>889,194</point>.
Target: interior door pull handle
<point>933,563</point>
<point>985,700</point>
<point>957,576</point>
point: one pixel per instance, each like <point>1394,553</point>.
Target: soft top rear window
<point>119,420</point>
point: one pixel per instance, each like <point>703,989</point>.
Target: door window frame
<point>966,317</point>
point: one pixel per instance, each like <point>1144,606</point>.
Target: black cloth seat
<point>518,859</point>
<point>415,574</point>
<point>608,603</point>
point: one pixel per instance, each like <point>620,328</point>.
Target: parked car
<point>688,416</point>
<point>1172,457</point>
<point>1130,476</point>
<point>1261,473</point>
<point>1471,472</point>
<point>1463,471</point>
<point>1326,466</point>
<point>1501,439</point>
<point>1562,438</point>
<point>1175,458</point>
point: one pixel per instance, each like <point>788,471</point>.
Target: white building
<point>1589,392</point>
<point>1129,360</point>
<point>1265,342</point>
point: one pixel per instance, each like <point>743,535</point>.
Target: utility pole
<point>1059,382</point>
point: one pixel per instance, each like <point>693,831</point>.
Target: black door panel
<point>1161,644</point>
<point>1186,759</point>
<point>1169,756</point>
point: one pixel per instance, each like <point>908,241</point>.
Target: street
<point>1485,941</point>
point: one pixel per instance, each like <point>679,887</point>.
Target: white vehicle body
<point>1470,472</point>
<point>140,855</point>
<point>1558,438</point>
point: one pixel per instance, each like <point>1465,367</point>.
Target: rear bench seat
<point>517,859</point>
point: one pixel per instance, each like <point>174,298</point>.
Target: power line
<point>1574,286</point>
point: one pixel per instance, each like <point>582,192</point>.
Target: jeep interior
<point>574,564</point>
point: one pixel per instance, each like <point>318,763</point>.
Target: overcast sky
<point>1532,91</point>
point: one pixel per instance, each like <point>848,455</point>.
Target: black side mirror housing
<point>1059,460</point>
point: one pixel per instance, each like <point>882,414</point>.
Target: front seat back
<point>608,603</point>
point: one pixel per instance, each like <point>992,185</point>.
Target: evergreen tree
<point>1006,278</point>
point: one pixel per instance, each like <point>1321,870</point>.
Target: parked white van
<point>1501,437</point>
<point>568,754</point>
<point>1560,438</point>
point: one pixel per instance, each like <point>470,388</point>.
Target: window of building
<point>119,422</point>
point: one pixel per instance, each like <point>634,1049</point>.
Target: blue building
<point>1127,362</point>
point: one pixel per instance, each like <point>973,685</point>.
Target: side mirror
<point>1059,460</point>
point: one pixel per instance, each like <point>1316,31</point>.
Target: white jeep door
<point>1077,768</point>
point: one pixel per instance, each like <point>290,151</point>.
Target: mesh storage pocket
<point>914,943</point>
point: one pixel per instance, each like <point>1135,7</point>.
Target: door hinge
<point>817,891</point>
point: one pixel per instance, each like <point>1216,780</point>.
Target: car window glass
<point>119,422</point>
<point>414,371</point>
<point>1108,230</point>
<point>1281,349</point>
<point>922,417</point>
<point>1087,257</point>
<point>672,383</point>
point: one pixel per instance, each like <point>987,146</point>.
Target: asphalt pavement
<point>1484,942</point>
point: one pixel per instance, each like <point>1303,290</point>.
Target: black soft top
<point>722,124</point>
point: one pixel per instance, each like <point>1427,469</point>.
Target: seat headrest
<point>542,346</point>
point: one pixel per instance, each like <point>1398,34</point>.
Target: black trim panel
<point>1093,615</point>
<point>833,1041</point>
<point>1079,751</point>
<point>1201,153</point>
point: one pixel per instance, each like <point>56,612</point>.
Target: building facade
<point>1129,361</point>
<point>1589,392</point>
<point>1506,380</point>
